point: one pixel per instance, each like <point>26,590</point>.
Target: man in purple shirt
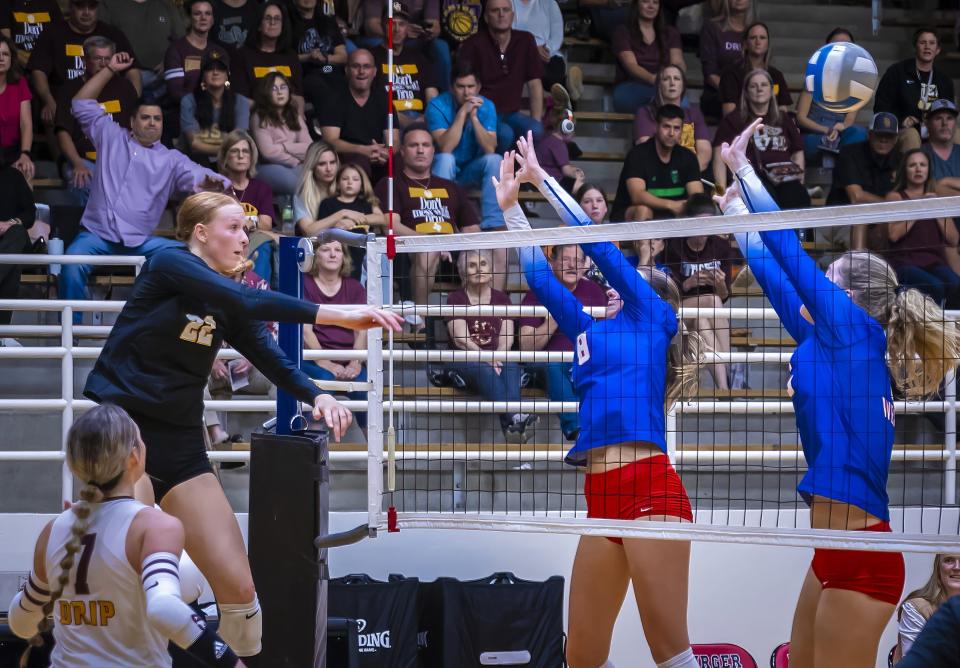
<point>570,266</point>
<point>134,179</point>
<point>504,60</point>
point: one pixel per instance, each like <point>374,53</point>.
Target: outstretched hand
<point>508,185</point>
<point>734,154</point>
<point>337,416</point>
<point>731,194</point>
<point>530,169</point>
<point>367,317</point>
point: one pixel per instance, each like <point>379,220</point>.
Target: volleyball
<point>841,77</point>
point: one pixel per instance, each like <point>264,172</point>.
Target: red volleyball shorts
<point>647,487</point>
<point>879,575</point>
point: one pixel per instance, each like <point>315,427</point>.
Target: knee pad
<point>192,582</point>
<point>241,626</point>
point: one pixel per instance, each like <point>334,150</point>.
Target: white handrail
<point>68,352</point>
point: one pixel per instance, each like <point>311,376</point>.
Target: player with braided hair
<point>113,563</point>
<point>627,370</point>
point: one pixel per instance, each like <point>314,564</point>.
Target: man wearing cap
<point>865,171</point>
<point>414,84</point>
<point>908,88</point>
<point>944,153</point>
<point>423,31</point>
<point>58,56</point>
<point>202,143</point>
<point>181,64</point>
<point>118,99</point>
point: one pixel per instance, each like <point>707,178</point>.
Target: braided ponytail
<point>89,495</point>
<point>98,445</point>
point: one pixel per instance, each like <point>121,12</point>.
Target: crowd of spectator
<point>284,105</point>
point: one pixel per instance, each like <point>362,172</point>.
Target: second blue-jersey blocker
<point>841,386</point>
<point>619,364</point>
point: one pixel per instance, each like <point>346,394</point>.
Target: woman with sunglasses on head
<point>855,329</point>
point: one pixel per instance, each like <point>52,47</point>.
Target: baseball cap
<point>399,9</point>
<point>942,105</point>
<point>213,57</point>
<point>884,123</point>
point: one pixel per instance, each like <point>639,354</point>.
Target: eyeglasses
<point>99,59</point>
<point>282,88</point>
<point>239,151</point>
<point>272,19</point>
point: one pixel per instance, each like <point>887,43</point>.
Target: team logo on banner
<point>370,642</point>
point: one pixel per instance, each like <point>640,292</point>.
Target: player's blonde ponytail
<point>685,354</point>
<point>922,344</point>
<point>97,448</point>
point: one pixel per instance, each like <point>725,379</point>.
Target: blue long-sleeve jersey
<point>839,377</point>
<point>619,366</point>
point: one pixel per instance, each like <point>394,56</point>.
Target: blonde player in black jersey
<point>112,565</point>
<point>155,365</point>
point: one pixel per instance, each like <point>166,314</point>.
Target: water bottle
<point>54,247</point>
<point>286,221</point>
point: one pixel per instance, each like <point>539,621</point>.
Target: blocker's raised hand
<point>734,154</point>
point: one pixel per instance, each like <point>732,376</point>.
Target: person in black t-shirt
<point>865,171</point>
<point>355,122</point>
<point>908,88</point>
<point>658,176</point>
<point>58,55</point>
<point>321,49</point>
<point>414,84</point>
<point>233,21</point>
<point>155,365</point>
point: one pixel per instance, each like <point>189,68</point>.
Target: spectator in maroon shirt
<point>494,380</point>
<point>642,47</point>
<point>329,282</point>
<point>721,44</point>
<point>58,55</point>
<point>504,60</point>
<point>181,64</point>
<point>921,251</point>
<point>755,56</point>
<point>776,150</point>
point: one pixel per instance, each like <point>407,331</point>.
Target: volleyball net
<point>478,409</point>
